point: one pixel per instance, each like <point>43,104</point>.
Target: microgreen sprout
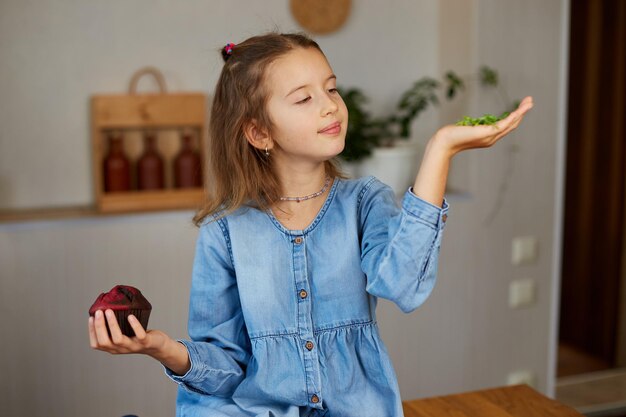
<point>487,119</point>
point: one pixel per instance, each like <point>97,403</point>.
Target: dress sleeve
<point>400,244</point>
<point>219,349</point>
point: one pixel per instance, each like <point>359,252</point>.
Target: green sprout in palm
<point>487,119</point>
<point>488,77</point>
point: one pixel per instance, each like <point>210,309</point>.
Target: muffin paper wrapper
<point>121,316</point>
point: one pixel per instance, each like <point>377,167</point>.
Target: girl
<point>291,255</point>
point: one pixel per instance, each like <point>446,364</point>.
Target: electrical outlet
<point>524,250</point>
<point>521,292</point>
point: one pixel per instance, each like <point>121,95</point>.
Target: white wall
<point>463,338</point>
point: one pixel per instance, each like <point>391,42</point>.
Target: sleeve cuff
<point>191,374</point>
<point>431,214</point>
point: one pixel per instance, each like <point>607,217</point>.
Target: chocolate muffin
<point>124,300</point>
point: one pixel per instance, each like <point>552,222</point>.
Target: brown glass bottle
<point>116,166</point>
<point>150,174</point>
<point>187,165</point>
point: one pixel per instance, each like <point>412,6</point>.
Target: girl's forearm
<point>430,183</point>
<point>174,356</point>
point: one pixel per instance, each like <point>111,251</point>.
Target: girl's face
<point>310,118</point>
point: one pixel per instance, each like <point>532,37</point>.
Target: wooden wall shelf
<point>132,115</point>
<point>45,214</point>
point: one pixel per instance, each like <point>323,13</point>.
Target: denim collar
<point>318,217</point>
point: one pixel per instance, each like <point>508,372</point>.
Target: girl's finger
<point>116,333</point>
<point>137,327</point>
<point>93,341</point>
<point>510,128</point>
<point>508,121</point>
<point>101,330</point>
<point>524,106</point>
<point>527,102</point>
<point>516,115</point>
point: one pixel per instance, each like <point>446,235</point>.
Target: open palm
<point>460,138</point>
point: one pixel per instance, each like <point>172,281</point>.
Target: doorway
<point>592,325</point>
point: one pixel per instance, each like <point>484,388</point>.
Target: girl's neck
<point>298,215</point>
<point>301,182</point>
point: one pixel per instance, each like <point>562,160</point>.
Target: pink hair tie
<point>229,48</point>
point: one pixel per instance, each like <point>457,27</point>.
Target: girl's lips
<point>333,129</point>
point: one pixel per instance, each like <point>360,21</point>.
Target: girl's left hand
<point>459,138</point>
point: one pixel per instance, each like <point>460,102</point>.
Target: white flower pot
<point>395,166</point>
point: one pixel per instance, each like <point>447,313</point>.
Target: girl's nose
<point>329,106</point>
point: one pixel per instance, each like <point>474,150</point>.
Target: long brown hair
<point>238,173</point>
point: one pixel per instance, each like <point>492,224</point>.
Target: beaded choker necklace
<point>306,197</point>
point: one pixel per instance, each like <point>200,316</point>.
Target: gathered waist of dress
<point>331,327</point>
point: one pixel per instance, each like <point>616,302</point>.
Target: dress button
<point>303,293</point>
<point>298,240</point>
<point>309,345</point>
<point>315,399</point>
<point>444,217</point>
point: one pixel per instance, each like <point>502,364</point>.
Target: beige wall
<point>464,337</point>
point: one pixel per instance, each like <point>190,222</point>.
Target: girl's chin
<point>336,152</point>
<point>338,145</point>
<point>324,153</point>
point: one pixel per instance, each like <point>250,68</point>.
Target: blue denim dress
<point>282,322</point>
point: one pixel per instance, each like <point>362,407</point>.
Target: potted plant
<point>380,146</point>
<point>361,135</point>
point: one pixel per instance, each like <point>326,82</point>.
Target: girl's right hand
<point>152,342</point>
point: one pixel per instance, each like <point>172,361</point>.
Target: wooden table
<point>510,401</point>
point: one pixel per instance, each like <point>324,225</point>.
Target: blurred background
<point>531,283</point>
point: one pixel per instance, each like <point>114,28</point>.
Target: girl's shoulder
<point>362,186</point>
<point>361,183</point>
<point>220,217</point>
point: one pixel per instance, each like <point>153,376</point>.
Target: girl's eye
<point>332,90</point>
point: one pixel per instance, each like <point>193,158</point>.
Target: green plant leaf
<point>488,76</point>
<point>454,83</point>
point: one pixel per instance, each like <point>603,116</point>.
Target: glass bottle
<point>150,175</point>
<point>187,165</point>
<point>116,166</point>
